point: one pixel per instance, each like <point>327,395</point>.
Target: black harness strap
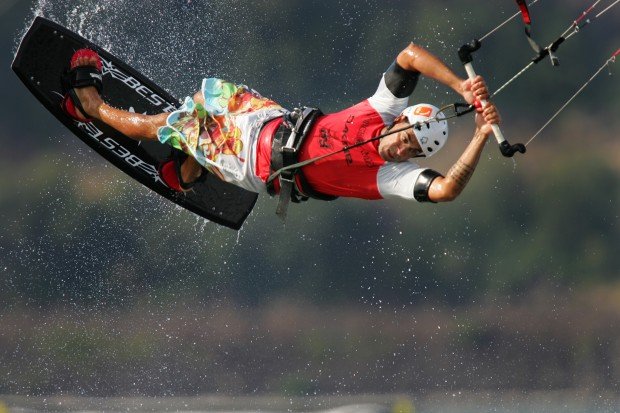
<point>287,141</point>
<point>307,191</point>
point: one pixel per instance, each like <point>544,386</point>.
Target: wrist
<point>460,86</point>
<point>483,133</point>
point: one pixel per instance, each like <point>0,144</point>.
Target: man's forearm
<point>418,59</point>
<point>451,186</point>
<point>464,168</point>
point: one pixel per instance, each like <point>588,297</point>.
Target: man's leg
<point>191,170</point>
<point>133,125</point>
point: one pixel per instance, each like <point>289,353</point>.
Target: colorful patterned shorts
<point>210,130</point>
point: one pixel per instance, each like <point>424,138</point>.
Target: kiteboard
<point>41,58</point>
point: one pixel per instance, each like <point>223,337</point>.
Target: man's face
<point>400,146</point>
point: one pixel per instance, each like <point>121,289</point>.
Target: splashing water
<point>168,41</point>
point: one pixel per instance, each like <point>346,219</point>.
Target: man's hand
<point>474,90</point>
<point>488,117</point>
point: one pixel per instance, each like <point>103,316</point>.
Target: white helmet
<point>431,132</point>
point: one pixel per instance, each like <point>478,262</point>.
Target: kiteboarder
<point>254,143</point>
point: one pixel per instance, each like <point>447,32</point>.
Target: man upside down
<point>233,132</point>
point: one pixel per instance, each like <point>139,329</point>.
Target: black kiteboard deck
<point>45,52</point>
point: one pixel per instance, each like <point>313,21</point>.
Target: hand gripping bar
<point>465,54</point>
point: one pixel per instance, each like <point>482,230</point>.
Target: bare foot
<point>89,96</point>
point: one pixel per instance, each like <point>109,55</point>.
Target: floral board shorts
<point>220,134</point>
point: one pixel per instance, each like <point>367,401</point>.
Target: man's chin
<point>394,158</point>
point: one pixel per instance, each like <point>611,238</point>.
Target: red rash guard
<point>352,173</point>
<point>359,172</point>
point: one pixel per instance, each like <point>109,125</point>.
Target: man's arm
<point>415,58</point>
<point>443,189</point>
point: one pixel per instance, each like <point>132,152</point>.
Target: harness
<point>287,141</point>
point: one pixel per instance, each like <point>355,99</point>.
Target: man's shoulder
<point>386,103</point>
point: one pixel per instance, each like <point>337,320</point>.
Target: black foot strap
<point>80,77</point>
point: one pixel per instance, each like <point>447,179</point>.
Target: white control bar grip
<point>499,136</point>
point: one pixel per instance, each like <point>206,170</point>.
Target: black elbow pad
<point>423,184</point>
<point>401,82</point>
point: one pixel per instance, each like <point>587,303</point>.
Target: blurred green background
<point>107,289</point>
